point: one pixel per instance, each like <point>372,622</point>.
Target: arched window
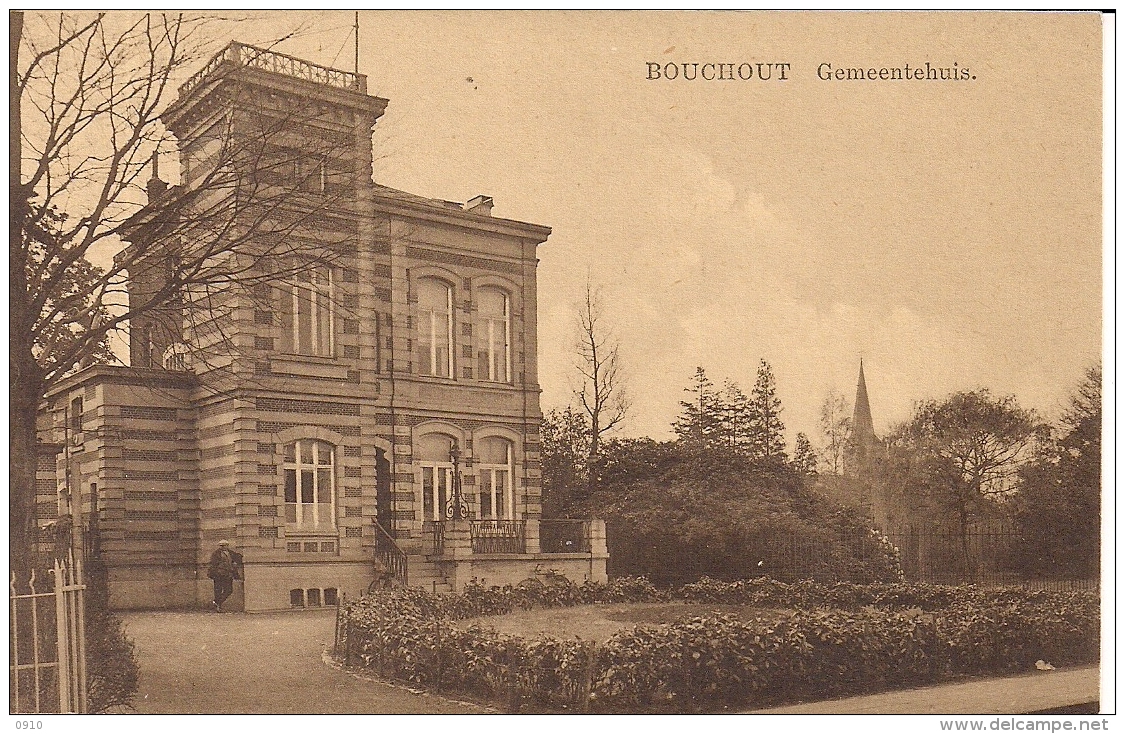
<point>310,485</point>
<point>437,475</point>
<point>435,327</point>
<point>494,358</point>
<point>497,496</point>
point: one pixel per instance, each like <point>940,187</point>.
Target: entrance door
<point>384,509</point>
<point>437,491</point>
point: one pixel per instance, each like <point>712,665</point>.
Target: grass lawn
<point>598,622</point>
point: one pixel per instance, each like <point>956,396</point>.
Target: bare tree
<point>602,392</point>
<point>836,428</point>
<point>94,102</point>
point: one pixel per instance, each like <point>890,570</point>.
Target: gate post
<point>62,643</point>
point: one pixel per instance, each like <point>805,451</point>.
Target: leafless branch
<point>602,391</point>
<point>93,124</point>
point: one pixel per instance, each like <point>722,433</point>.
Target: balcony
<point>240,54</point>
<point>449,554</point>
<point>498,536</point>
<point>463,538</point>
<point>564,536</point>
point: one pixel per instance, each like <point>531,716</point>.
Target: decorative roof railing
<point>240,54</point>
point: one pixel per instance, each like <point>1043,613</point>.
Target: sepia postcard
<point>560,362</point>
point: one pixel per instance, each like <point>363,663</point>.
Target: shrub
<point>621,591</point>
<point>1005,634</point>
<point>709,662</point>
<point>112,671</point>
<point>674,513</point>
<point>837,639</point>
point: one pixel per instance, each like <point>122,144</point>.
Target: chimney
<point>480,205</point>
<point>156,187</point>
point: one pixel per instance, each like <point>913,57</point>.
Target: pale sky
<point>947,232</point>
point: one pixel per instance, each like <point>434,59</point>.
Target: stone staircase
<point>424,573</point>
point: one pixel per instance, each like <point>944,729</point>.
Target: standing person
<point>223,569</point>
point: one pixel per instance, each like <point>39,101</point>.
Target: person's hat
<point>224,542</point>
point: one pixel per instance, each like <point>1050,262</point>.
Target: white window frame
<point>501,328</point>
<point>317,312</point>
<point>509,492</point>
<point>439,471</point>
<point>297,466</point>
<point>428,320</point>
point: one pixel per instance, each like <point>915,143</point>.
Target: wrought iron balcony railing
<point>564,536</point>
<point>498,536</point>
<point>240,54</point>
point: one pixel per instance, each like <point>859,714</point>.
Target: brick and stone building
<point>328,419</point>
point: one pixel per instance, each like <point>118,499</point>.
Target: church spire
<point>863,428</point>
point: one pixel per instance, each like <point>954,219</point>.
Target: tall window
<point>437,475</point>
<point>310,172</point>
<point>494,359</point>
<point>496,491</point>
<point>309,323</point>
<point>435,327</point>
<point>310,485</point>
<point>76,415</point>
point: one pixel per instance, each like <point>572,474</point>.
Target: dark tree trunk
<point>592,457</point>
<point>24,375</point>
<point>963,521</point>
<point>24,394</point>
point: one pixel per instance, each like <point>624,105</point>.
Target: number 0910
<point>29,724</point>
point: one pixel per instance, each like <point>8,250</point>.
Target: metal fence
<point>984,555</point>
<point>390,556</point>
<point>498,536</point>
<point>47,641</point>
<point>564,536</point>
<point>434,535</point>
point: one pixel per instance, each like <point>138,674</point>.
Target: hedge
<point>112,670</point>
<point>836,639</point>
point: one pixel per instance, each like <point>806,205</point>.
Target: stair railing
<point>393,557</point>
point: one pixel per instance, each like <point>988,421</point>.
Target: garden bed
<point>599,622</point>
<point>816,641</point>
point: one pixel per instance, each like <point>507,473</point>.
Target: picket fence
<point>47,666</point>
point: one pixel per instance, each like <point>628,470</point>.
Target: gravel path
<point>207,663</point>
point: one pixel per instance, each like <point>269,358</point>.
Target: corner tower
<point>275,171</point>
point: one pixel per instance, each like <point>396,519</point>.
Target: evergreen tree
<point>734,417</point>
<point>699,424</point>
<point>804,456</point>
<point>767,432</point>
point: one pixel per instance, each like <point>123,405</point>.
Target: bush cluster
<point>714,661</point>
<point>112,670</point>
<point>836,639</point>
<point>404,634</point>
<point>766,592</point>
<point>733,516</point>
